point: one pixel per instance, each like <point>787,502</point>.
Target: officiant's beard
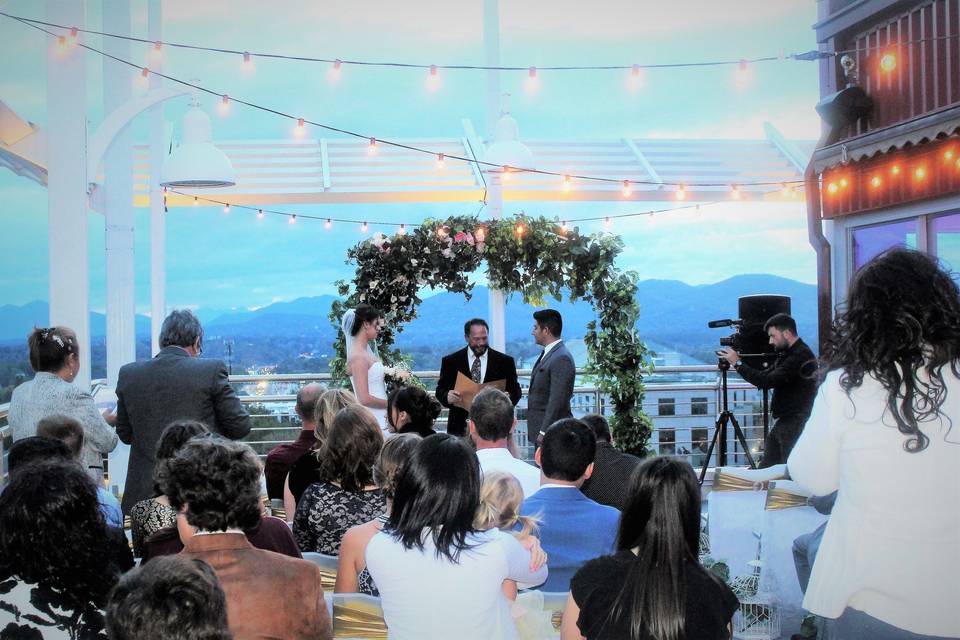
<point>479,351</point>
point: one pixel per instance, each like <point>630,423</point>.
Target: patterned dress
<point>146,518</point>
<point>326,511</point>
<point>40,612</point>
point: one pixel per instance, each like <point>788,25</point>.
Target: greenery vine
<point>528,255</point>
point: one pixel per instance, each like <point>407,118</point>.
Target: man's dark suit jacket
<point>610,481</point>
<point>268,595</point>
<point>499,367</point>
<point>551,389</point>
<point>172,386</point>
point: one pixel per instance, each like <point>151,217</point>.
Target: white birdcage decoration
<point>758,617</point>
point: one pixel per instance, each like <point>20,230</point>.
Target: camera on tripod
<point>735,339</point>
<point>749,339</point>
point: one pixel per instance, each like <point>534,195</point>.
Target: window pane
<point>945,240</point>
<point>698,406</point>
<point>666,407</point>
<point>668,439</point>
<point>869,242</point>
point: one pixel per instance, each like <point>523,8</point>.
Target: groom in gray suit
<point>551,382</point>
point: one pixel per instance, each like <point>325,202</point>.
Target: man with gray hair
<point>174,385</point>
<point>491,427</point>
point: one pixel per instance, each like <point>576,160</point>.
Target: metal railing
<point>682,403</point>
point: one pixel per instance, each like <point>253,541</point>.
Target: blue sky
<point>240,262</point>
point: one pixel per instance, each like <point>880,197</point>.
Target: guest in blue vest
<point>573,527</point>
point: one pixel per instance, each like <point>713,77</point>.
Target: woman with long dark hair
<point>412,410</point>
<point>884,435</point>
<point>430,546</point>
<point>345,494</point>
<point>654,587</point>
<point>56,563</point>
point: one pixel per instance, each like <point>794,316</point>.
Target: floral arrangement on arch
<point>532,256</point>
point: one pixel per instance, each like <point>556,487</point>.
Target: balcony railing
<point>682,403</point>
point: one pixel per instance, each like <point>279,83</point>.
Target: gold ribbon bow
<point>783,499</point>
<point>358,620</point>
<point>727,482</point>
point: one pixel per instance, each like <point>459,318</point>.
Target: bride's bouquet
<point>398,375</point>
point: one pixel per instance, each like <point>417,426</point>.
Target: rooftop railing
<point>682,402</point>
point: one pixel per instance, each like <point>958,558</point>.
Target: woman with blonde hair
<point>303,473</point>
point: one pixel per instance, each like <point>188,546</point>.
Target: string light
<point>532,83</point>
<point>292,219</point>
<point>742,76</point>
<point>948,155</point>
<point>844,183</point>
<point>300,130</point>
<point>156,53</point>
<point>875,182</point>
<point>505,173</point>
<point>606,222</point>
<point>681,193</point>
<point>832,187</point>
<point>895,169</point>
<point>328,224</point>
<point>441,161</point>
<point>334,74</point>
<point>563,227</point>
<point>224,107</point>
<point>627,189</point>
<point>888,62</point>
<point>635,79</point>
<point>566,183</point>
<point>62,41</point>
<point>920,173</point>
<point>734,192</point>
<point>372,147</point>
<point>520,229</point>
<point>144,72</point>
<point>259,214</point>
<point>226,208</point>
<point>74,34</point>
<point>364,227</point>
<point>402,230</point>
<point>196,201</point>
<point>433,79</point>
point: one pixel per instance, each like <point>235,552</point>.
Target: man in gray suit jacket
<point>551,383</point>
<point>174,385</point>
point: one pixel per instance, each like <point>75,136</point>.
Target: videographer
<point>794,384</point>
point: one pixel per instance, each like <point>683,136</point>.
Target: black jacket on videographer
<point>792,378</point>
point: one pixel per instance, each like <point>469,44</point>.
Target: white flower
<point>414,262</point>
<point>373,284</point>
<point>447,253</point>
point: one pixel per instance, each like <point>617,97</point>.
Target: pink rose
<point>460,237</point>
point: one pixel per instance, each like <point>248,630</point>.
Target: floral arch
<point>532,256</point>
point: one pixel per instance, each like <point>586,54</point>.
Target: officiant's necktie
<point>475,370</point>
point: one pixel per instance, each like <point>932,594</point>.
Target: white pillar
<point>491,41</point>
<point>67,184</point>
<point>158,231</point>
<point>118,199</point>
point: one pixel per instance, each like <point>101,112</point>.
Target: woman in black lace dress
<point>153,514</point>
<point>55,555</point>
<point>345,495</point>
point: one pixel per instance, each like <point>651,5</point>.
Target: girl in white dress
<point>360,327</point>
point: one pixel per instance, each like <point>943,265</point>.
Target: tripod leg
<point>719,427</point>
<point>738,432</point>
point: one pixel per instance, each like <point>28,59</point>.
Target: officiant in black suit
<point>478,362</point>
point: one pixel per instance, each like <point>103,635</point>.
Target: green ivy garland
<point>527,255</point>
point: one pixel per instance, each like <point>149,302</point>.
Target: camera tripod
<point>720,428</point>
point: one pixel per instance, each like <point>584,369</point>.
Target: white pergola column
<point>491,41</point>
<point>118,199</point>
<point>67,184</point>
<point>158,230</point>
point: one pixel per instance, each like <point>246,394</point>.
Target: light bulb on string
<point>74,35</point>
<point>226,208</point>
<point>888,62</point>
<point>895,169</point>
<point>875,182</point>
<point>920,173</point>
<point>364,227</point>
<point>292,219</point>
<point>259,214</point>
<point>948,155</point>
<point>566,183</point>
<point>681,192</point>
<point>300,130</point>
<point>627,189</point>
<point>433,79</point>
<point>372,147</point>
<point>328,224</point>
<point>402,231</point>
<point>606,222</point>
<point>505,173</point>
<point>62,41</point>
<point>247,66</point>
<point>635,79</point>
<point>844,183</point>
<point>333,75</point>
<point>156,53</point>
<point>441,161</point>
<point>520,229</point>
<point>224,107</point>
<point>832,188</point>
<point>742,76</point>
<point>196,200</point>
<point>563,227</point>
<point>532,83</point>
<point>735,192</point>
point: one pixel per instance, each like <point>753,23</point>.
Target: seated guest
<point>55,356</point>
<point>412,410</point>
<point>884,434</point>
<point>172,598</point>
<point>352,574</point>
<point>573,528</point>
<point>346,494</point>
<point>269,534</point>
<point>430,546</point>
<point>56,556</point>
<point>611,468</point>
<point>214,485</point>
<point>491,427</point>
<point>654,585</point>
<point>303,473</point>
<point>69,431</point>
<point>282,457</point>
<point>153,514</point>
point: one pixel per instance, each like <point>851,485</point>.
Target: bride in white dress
<point>360,327</point>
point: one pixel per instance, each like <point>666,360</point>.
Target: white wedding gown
<point>376,387</point>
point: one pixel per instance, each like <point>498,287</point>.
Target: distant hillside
<point>672,314</point>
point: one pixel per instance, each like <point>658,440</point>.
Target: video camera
<point>749,339</point>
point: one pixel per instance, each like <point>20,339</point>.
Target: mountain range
<point>672,313</point>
